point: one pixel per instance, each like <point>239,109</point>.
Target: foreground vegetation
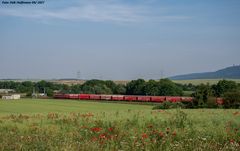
<point>82,125</point>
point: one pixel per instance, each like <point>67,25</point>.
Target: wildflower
<point>111,137</point>
<point>102,136</point>
<point>204,138</point>
<point>232,141</point>
<point>96,129</point>
<point>94,139</point>
<point>144,136</point>
<point>174,133</point>
<point>110,129</point>
<point>161,134</point>
<point>154,131</point>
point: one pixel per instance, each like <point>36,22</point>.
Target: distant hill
<point>232,72</point>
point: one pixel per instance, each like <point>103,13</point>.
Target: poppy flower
<point>144,136</point>
<point>96,129</point>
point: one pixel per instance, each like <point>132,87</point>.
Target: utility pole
<point>33,94</point>
<point>162,74</point>
<point>78,75</point>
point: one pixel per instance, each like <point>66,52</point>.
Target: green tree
<point>168,88</point>
<point>97,87</point>
<point>119,89</point>
<point>135,87</point>
<point>151,88</point>
<point>224,86</point>
<point>202,94</point>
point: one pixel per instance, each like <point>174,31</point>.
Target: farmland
<point>124,82</point>
<point>80,125</point>
<point>204,81</point>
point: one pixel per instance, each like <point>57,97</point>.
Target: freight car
<point>129,98</point>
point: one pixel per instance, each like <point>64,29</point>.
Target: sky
<point>117,39</point>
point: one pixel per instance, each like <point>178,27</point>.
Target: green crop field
<point>33,106</point>
<point>204,81</point>
<point>86,125</point>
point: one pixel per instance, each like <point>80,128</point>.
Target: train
<point>128,98</point>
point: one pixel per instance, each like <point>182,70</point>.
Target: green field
<point>204,81</point>
<point>87,125</point>
<point>33,106</point>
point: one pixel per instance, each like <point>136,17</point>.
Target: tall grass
<point>122,130</point>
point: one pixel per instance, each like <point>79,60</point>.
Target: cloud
<point>96,11</point>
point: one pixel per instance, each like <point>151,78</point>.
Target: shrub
<point>169,105</point>
<point>232,99</point>
<point>188,105</point>
<point>211,103</point>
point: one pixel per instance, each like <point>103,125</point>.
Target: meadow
<point>35,124</point>
<point>203,81</point>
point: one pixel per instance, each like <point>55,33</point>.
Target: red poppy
<point>144,136</point>
<point>161,134</point>
<point>110,129</point>
<point>94,139</point>
<point>102,136</point>
<point>96,129</point>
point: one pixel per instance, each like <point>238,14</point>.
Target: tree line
<point>162,87</point>
<point>204,94</point>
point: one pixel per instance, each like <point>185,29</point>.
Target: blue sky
<point>118,39</point>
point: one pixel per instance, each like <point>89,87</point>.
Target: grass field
<point>33,106</point>
<point>204,81</point>
<point>81,125</point>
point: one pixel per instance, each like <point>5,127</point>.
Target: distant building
<point>11,97</point>
<point>6,91</point>
<point>42,94</point>
<point>36,95</point>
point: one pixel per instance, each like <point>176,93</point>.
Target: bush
<point>211,103</point>
<point>188,105</point>
<point>169,105</point>
<point>232,99</point>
